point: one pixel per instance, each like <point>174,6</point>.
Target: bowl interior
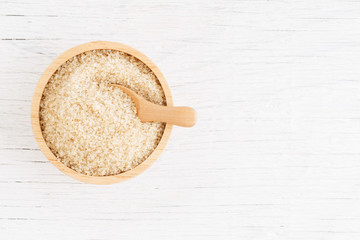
<point>35,108</point>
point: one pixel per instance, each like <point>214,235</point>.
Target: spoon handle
<point>180,116</point>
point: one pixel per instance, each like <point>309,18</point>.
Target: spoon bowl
<point>150,112</point>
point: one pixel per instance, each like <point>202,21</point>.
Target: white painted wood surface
<point>275,153</point>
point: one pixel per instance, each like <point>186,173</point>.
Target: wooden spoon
<point>150,112</point>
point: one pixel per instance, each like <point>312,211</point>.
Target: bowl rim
<point>35,111</point>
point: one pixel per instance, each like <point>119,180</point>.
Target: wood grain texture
<point>275,152</point>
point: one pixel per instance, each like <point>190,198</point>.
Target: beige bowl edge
<point>35,107</point>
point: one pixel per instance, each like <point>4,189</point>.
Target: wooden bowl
<point>35,109</point>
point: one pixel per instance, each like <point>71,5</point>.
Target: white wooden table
<point>275,153</point>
